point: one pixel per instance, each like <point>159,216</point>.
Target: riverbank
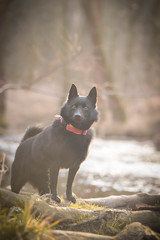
<point>113,166</point>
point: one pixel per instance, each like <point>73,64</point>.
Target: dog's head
<point>80,111</point>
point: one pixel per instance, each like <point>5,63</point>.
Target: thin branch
<point>29,88</point>
<point>58,66</point>
<point>55,94</point>
<point>2,169</point>
<point>55,68</point>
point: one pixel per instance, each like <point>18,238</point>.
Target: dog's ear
<point>73,92</point>
<point>93,95</point>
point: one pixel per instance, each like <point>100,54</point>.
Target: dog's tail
<point>31,131</point>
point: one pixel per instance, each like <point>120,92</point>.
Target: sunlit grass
<point>19,224</point>
<point>86,206</point>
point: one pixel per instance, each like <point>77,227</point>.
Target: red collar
<point>72,129</point>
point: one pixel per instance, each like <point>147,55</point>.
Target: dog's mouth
<point>77,119</point>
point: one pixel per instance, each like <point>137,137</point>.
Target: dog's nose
<point>77,117</point>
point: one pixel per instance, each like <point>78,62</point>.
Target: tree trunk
<point>3,11</point>
<point>92,12</point>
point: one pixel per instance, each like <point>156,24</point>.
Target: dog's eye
<point>85,108</point>
<point>74,107</point>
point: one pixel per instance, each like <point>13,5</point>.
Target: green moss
<point>86,206</point>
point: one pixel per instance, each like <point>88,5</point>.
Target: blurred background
<point>46,45</point>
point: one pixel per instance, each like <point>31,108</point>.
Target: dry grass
<point>19,224</point>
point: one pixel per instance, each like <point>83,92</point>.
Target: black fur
<point>31,131</point>
<point>54,148</point>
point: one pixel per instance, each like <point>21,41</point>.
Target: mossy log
<point>69,235</point>
<point>111,221</point>
<point>67,214</point>
<point>104,221</point>
<point>133,231</point>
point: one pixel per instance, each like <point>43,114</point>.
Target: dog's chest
<point>64,149</point>
<point>73,153</point>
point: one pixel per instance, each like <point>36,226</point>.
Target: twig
<point>29,88</point>
<point>143,206</point>
<point>58,66</point>
<point>2,170</point>
<point>8,86</point>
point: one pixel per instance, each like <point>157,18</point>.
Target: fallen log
<point>124,201</point>
<point>69,235</point>
<point>69,215</point>
<point>112,221</point>
<point>105,221</point>
<point>140,201</point>
<point>133,231</point>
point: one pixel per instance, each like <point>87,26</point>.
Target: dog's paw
<point>55,198</point>
<point>71,198</point>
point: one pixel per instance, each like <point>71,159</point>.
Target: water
<point>119,166</point>
<point>112,167</point>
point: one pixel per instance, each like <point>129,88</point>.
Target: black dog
<point>64,144</point>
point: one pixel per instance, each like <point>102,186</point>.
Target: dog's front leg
<point>54,179</point>
<point>71,175</point>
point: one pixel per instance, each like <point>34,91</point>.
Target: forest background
<point>46,45</point>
